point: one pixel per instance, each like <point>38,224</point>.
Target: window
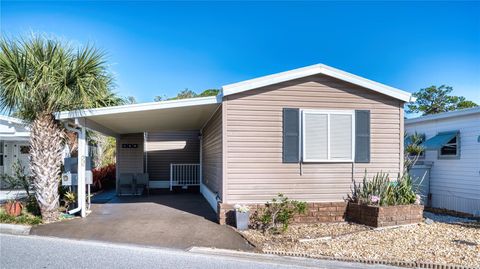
<point>24,149</point>
<point>328,136</point>
<point>450,149</point>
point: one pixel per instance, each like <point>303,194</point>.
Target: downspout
<point>80,171</point>
<point>145,151</point>
<point>79,206</point>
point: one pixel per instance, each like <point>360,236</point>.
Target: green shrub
<point>18,179</point>
<point>24,218</point>
<point>413,150</point>
<point>31,205</point>
<point>69,198</point>
<point>278,213</point>
<point>380,190</point>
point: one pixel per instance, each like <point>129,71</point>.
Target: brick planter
<point>316,213</point>
<point>382,216</point>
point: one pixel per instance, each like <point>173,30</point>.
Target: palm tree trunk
<point>46,156</point>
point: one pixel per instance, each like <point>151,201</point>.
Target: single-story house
<point>452,149</point>
<point>14,146</point>
<point>306,133</point>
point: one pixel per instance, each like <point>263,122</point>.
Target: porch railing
<point>184,175</point>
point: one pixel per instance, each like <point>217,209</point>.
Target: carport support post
<point>82,153</point>
<point>201,157</point>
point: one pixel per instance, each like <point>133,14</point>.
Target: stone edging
<point>368,261</point>
<point>15,229</point>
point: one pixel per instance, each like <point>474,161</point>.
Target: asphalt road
<point>47,252</point>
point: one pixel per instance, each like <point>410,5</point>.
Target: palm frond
<point>41,75</point>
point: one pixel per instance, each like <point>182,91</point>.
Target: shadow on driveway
<point>167,220</point>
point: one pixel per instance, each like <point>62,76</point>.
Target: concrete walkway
<point>164,220</point>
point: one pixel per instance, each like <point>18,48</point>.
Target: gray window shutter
<point>291,135</point>
<point>362,136</point>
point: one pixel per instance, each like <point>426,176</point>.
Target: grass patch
<point>24,218</point>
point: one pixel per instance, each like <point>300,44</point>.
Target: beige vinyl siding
<point>130,160</point>
<point>212,153</point>
<point>164,148</point>
<point>253,154</point>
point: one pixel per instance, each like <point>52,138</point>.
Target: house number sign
<point>129,146</point>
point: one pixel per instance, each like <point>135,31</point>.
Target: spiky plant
<point>39,76</point>
<point>413,150</point>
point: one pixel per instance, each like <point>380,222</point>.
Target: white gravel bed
<point>446,218</point>
<point>442,243</point>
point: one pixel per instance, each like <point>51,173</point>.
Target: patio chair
<point>142,180</point>
<point>126,181</point>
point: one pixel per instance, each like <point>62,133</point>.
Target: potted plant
<point>18,180</point>
<point>13,208</point>
<point>242,217</point>
<point>69,198</point>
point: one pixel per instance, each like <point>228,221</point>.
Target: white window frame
<point>328,113</point>
<point>451,157</point>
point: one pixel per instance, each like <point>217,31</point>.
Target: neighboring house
<point>14,145</point>
<point>306,133</point>
<point>452,143</point>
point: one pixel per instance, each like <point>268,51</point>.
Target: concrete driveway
<point>165,220</point>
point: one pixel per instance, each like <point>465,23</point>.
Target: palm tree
<point>39,76</point>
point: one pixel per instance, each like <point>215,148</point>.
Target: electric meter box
<point>71,179</point>
<point>70,175</point>
<point>71,164</point>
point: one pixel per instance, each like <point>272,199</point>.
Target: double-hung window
<point>328,135</point>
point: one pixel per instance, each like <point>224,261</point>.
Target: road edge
<point>15,229</point>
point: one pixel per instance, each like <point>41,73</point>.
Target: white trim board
<point>314,70</point>
<point>138,107</point>
<point>12,120</point>
<point>209,196</point>
<point>445,115</point>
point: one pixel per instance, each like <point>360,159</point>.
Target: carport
<point>170,220</point>
<point>129,124</point>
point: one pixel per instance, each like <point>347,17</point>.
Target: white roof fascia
<point>89,124</point>
<point>314,70</point>
<point>137,107</point>
<point>14,138</point>
<point>12,119</point>
<point>444,115</point>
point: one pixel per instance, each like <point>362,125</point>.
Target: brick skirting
<point>316,212</point>
<point>383,216</point>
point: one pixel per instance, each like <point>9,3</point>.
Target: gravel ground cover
<point>455,243</point>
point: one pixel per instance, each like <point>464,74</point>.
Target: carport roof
<point>174,115</point>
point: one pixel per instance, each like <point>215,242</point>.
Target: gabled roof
<point>15,129</point>
<point>444,115</point>
<point>315,70</point>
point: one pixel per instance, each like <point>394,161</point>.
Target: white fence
<point>184,175</point>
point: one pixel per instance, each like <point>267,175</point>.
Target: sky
<point>159,48</point>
